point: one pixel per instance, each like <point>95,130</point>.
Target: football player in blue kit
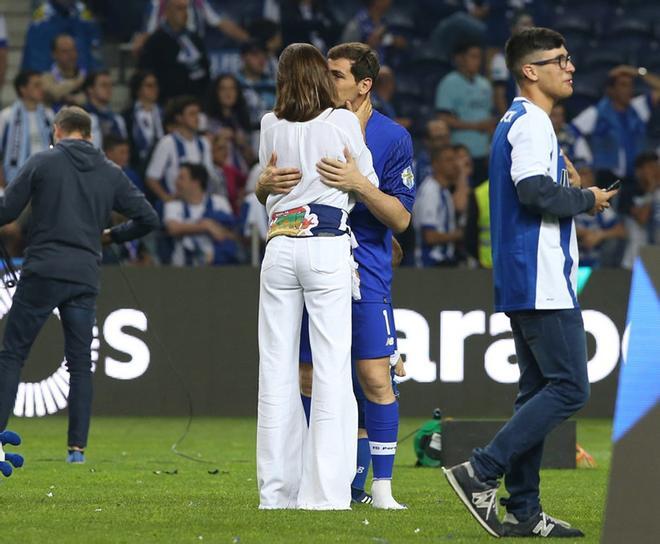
<point>378,213</point>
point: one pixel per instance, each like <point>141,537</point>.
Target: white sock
<point>381,490</point>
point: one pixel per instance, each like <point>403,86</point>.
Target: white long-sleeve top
<point>302,144</point>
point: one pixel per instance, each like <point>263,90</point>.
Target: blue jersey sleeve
<point>398,178</point>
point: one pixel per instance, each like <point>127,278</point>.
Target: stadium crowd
<point>205,75</point>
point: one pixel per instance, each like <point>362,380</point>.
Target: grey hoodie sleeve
<point>131,203</point>
<point>18,193</point>
<point>540,194</point>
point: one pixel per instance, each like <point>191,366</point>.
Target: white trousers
<point>299,467</point>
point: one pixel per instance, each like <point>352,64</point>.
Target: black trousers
<point>35,299</point>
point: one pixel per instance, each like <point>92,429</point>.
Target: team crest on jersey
<point>408,177</point>
<point>294,222</point>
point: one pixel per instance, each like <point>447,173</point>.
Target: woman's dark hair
<point>136,81</point>
<point>239,116</point>
<point>304,84</point>
<point>521,45</point>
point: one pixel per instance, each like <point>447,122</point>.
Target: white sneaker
<point>381,491</point>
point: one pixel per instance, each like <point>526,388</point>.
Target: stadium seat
<point>649,56</point>
<point>630,26</point>
<point>574,24</point>
<point>595,11</point>
<point>408,86</point>
<point>603,55</point>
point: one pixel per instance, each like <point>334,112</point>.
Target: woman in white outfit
<point>307,260</point>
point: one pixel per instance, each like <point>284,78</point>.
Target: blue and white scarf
<point>144,139</point>
<point>16,138</point>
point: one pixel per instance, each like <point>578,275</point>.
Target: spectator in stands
<point>309,21</point>
<point>176,55</point>
<point>477,227</point>
<point>616,126</point>
<point>258,86</point>
<point>183,144</point>
<point>144,119</point>
<point>4,48</point>
<point>231,179</point>
<point>137,252</point>
<point>642,209</point>
<point>599,236</point>
<point>55,17</point>
<point>370,26</point>
<point>98,89</point>
<point>436,134</point>
<point>464,99</point>
<point>227,112</point>
<point>462,184</point>
<point>118,150</point>
<point>268,33</point>
<point>434,215</point>
<point>200,14</point>
<point>25,126</point>
<point>505,88</point>
<point>383,95</point>
<point>462,21</point>
<point>574,146</point>
<point>201,224</point>
<point>63,84</point>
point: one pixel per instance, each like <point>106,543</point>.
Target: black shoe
<point>480,498</point>
<point>360,496</point>
<point>540,525</point>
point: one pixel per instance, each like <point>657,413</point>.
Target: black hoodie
<point>73,189</point>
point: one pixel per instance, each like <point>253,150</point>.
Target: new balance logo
<point>543,528</point>
<point>390,341</point>
<point>486,500</point>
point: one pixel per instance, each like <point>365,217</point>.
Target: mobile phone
<point>614,185</point>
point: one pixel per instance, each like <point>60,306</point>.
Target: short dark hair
<point>525,42</point>
<point>178,104</point>
<point>465,46</point>
<point>91,78</point>
<point>437,152</point>
<point>613,80</point>
<point>110,141</point>
<point>74,119</point>
<point>197,172</point>
<point>645,158</point>
<point>364,60</point>
<point>53,44</point>
<point>22,79</point>
<point>457,147</point>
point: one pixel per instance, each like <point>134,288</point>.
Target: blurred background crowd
<point>177,89</point>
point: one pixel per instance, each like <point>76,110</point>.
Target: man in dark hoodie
<point>73,189</point>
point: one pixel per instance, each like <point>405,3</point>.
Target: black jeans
<point>552,356</point>
<point>35,299</point>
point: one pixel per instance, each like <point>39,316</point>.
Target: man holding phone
<point>533,199</point>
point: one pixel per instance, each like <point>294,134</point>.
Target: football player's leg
<point>373,343</point>
<point>358,493</point>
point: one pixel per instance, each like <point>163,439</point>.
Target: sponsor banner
<point>192,334</point>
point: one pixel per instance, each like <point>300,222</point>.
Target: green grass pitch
<point>128,491</point>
